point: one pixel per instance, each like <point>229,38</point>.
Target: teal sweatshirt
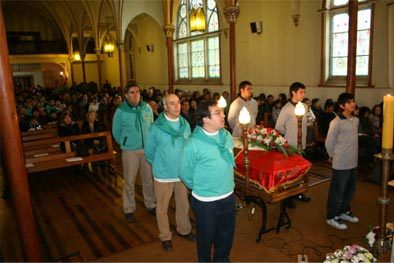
<point>164,147</point>
<point>208,162</point>
<point>130,125</point>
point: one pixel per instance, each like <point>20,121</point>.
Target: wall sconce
<point>197,19</point>
<point>76,56</point>
<point>149,48</point>
<point>296,7</point>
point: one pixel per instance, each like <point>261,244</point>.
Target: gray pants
<point>133,163</point>
<point>342,188</point>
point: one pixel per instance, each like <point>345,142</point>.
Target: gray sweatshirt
<point>342,142</point>
<point>233,115</point>
<point>287,124</point>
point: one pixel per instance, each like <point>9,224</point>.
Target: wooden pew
<point>57,159</point>
<point>46,133</point>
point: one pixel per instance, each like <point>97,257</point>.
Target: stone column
<point>98,54</point>
<point>120,48</point>
<point>169,31</point>
<point>71,60</point>
<point>83,55</point>
<point>231,12</point>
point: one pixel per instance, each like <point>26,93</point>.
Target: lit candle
<point>244,116</point>
<point>222,102</point>
<point>299,109</point>
<point>388,122</point>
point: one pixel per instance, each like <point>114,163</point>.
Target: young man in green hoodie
<point>207,168</point>
<point>130,127</point>
<point>163,149</point>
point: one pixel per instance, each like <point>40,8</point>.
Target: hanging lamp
<point>109,47</point>
<point>197,19</point>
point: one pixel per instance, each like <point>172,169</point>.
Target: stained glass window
<point>213,57</point>
<point>197,54</point>
<point>339,42</point>
<point>183,60</point>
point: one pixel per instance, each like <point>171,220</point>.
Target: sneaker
<point>337,223</point>
<point>129,217</point>
<point>348,216</point>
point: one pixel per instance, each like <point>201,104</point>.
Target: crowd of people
<point>184,141</point>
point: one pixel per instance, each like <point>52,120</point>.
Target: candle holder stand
<point>299,132</point>
<point>382,244</point>
<point>246,160</point>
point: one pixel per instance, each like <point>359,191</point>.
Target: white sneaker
<point>348,216</point>
<point>337,223</point>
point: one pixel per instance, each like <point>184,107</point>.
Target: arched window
<point>197,54</point>
<point>336,45</point>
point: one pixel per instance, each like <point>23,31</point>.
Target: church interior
<point>71,55</point>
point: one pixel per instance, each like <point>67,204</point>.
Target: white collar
<point>168,119</point>
<point>210,133</point>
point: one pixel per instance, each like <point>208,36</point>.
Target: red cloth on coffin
<point>272,169</point>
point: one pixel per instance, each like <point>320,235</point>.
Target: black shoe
<point>189,236</point>
<point>152,211</point>
<point>303,198</point>
<point>129,217</point>
<point>290,203</point>
<point>167,246</point>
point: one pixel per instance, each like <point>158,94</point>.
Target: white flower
<point>371,238</point>
<point>267,140</point>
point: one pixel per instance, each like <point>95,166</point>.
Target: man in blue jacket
<point>130,127</point>
<point>207,168</point>
<point>163,149</point>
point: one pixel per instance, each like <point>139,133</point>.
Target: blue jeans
<point>342,188</point>
<point>215,224</point>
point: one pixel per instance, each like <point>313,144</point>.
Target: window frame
<point>188,40</point>
<point>326,46</point>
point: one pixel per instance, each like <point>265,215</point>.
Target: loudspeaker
<point>149,48</point>
<point>256,27</point>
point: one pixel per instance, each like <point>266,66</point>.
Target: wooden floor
<point>80,218</point>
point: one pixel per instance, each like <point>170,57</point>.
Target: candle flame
<point>244,116</point>
<point>299,109</point>
<point>222,102</point>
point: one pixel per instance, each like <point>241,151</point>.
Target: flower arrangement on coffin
<point>270,139</point>
<point>374,233</point>
<point>353,253</point>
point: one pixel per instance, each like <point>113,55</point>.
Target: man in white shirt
<point>244,99</point>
